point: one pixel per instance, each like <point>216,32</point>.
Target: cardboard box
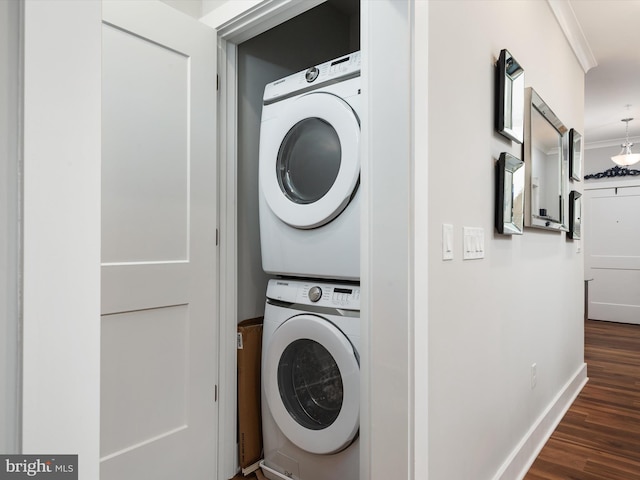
<point>249,407</point>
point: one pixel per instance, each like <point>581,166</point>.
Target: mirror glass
<point>544,157</point>
<point>510,97</point>
<point>575,155</point>
<point>510,195</point>
<point>575,215</point>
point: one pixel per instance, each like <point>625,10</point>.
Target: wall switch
<point>534,375</point>
<point>447,241</point>
<point>473,243</point>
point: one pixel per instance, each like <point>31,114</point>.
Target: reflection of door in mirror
<point>508,199</point>
<point>518,196</point>
<point>545,153</point>
<point>577,219</point>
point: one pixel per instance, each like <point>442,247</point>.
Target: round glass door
<point>309,159</point>
<point>311,383</point>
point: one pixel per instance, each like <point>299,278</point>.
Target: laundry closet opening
<point>323,33</point>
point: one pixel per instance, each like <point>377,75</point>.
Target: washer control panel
<point>343,296</point>
<point>336,296</point>
<point>315,293</point>
<point>312,74</point>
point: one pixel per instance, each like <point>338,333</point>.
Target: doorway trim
<point>246,25</point>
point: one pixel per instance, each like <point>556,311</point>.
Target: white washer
<point>309,172</point>
<point>311,381</point>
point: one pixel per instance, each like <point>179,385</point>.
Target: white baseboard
<point>523,456</point>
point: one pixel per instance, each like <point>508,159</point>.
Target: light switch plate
<point>473,244</point>
<point>447,241</point>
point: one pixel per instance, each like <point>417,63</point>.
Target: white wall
<point>9,230</point>
<point>61,401</point>
<point>192,8</point>
<point>218,12</point>
<point>491,319</point>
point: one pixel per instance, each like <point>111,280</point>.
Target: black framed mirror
<point>510,97</point>
<point>544,158</point>
<point>575,215</point>
<point>509,216</point>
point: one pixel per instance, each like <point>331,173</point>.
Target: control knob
<point>315,294</point>
<point>312,74</point>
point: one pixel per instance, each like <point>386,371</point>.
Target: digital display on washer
<point>343,290</point>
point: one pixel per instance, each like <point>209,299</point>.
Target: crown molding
<point>573,31</point>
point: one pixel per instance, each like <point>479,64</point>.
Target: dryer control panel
<point>314,77</point>
<point>343,296</point>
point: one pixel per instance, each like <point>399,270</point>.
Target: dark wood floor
<point>599,437</point>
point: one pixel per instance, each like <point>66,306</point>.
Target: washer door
<point>311,379</point>
<point>309,160</point>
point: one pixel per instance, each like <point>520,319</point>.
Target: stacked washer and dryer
<point>309,172</point>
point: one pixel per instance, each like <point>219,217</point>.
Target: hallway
<point>599,437</point>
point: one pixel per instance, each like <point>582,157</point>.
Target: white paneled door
<point>612,253</point>
<point>159,255</point>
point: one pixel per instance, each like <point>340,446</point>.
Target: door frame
<point>230,34</point>
<point>387,347</point>
<point>61,230</point>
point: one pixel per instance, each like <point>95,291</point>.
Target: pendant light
<point>625,157</point>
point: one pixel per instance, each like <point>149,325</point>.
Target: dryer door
<point>311,380</point>
<point>309,159</point>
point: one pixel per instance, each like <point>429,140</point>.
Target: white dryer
<point>309,172</point>
<point>311,381</point>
